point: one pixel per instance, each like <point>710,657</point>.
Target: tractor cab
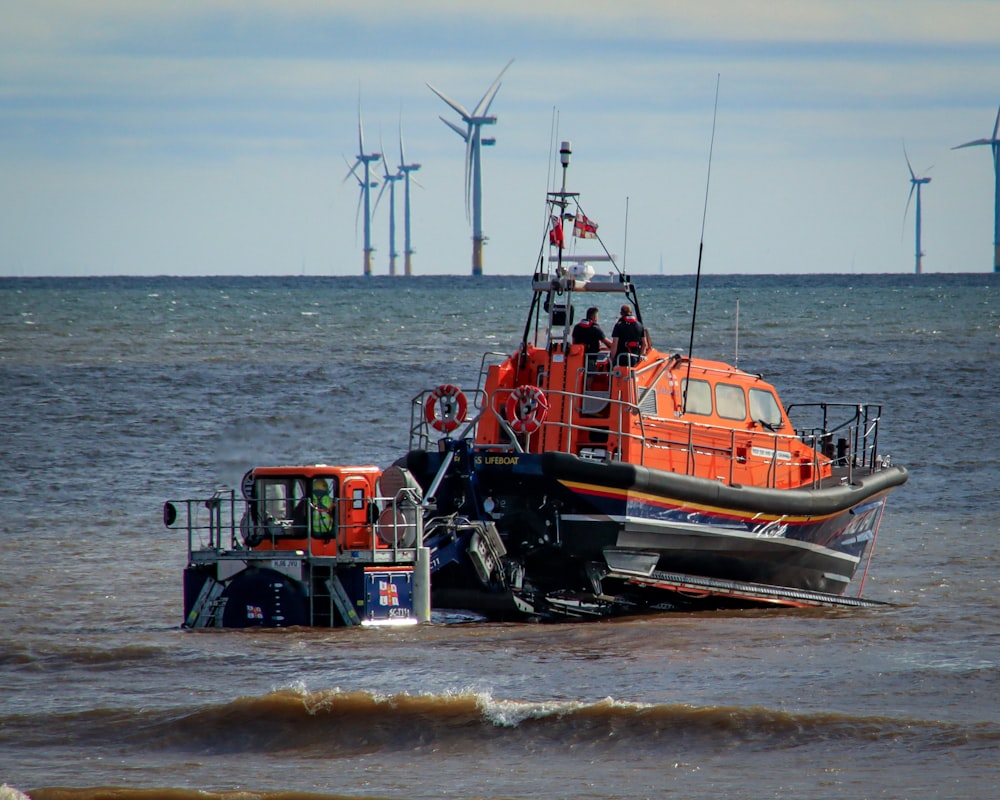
<point>321,509</point>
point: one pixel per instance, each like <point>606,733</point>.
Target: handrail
<point>421,435</point>
<point>858,448</point>
<point>402,526</point>
<point>622,422</point>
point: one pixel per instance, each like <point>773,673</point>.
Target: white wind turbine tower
<point>366,185</point>
<point>916,184</point>
<point>472,135</point>
<point>405,170</point>
<point>390,181</point>
<point>994,144</point>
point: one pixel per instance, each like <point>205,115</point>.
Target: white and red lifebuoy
<point>526,409</point>
<point>446,408</point>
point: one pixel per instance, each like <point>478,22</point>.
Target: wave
<point>31,657</point>
<point>335,724</point>
<point>123,793</point>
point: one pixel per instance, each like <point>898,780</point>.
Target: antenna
<point>701,244</point>
<point>625,244</point>
<point>474,142</point>
<point>994,143</point>
<point>736,346</point>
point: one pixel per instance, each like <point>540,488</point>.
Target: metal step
<point>207,600</point>
<point>342,601</point>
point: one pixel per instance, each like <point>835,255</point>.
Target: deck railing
<point>847,433</point>
<point>842,436</point>
<point>224,525</point>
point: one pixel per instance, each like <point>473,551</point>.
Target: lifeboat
<point>614,480</point>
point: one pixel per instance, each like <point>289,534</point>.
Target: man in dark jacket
<point>629,339</point>
<point>588,333</point>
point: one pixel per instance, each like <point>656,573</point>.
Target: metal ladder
<point>207,609</point>
<point>342,601</point>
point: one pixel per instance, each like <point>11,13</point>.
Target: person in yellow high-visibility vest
<point>322,508</point>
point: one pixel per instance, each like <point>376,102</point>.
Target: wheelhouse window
<point>730,402</point>
<point>698,399</point>
<point>764,407</point>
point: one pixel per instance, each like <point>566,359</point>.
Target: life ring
<point>453,408</point>
<point>526,409</point>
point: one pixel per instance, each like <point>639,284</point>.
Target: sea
<point>119,393</point>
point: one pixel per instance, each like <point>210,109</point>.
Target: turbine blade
<point>361,135</point>
<point>378,197</point>
<point>908,199</point>
<point>484,104</point>
<point>357,212</point>
<point>385,164</point>
<point>456,106</point>
<point>996,126</point>
<point>909,166</point>
<point>351,171</point>
<point>972,143</point>
<point>402,158</point>
<point>454,127</point>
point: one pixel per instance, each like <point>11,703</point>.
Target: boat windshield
<point>764,407</point>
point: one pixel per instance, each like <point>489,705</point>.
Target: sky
<point>160,137</point>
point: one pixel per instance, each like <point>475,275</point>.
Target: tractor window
<point>280,495</point>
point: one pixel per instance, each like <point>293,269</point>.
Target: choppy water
<point>116,394</point>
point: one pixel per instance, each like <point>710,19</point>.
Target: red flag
<point>556,233</point>
<point>583,227</point>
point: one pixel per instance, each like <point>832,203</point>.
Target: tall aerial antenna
<point>994,143</point>
<point>625,242</point>
<point>701,243</point>
<point>474,142</point>
<point>736,336</point>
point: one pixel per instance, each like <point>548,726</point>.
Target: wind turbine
<point>995,144</point>
<point>365,160</point>
<point>405,170</point>
<point>915,183</point>
<point>390,181</point>
<point>474,141</point>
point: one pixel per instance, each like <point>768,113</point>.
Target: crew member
<point>322,508</point>
<point>630,340</point>
<point>588,333</point>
